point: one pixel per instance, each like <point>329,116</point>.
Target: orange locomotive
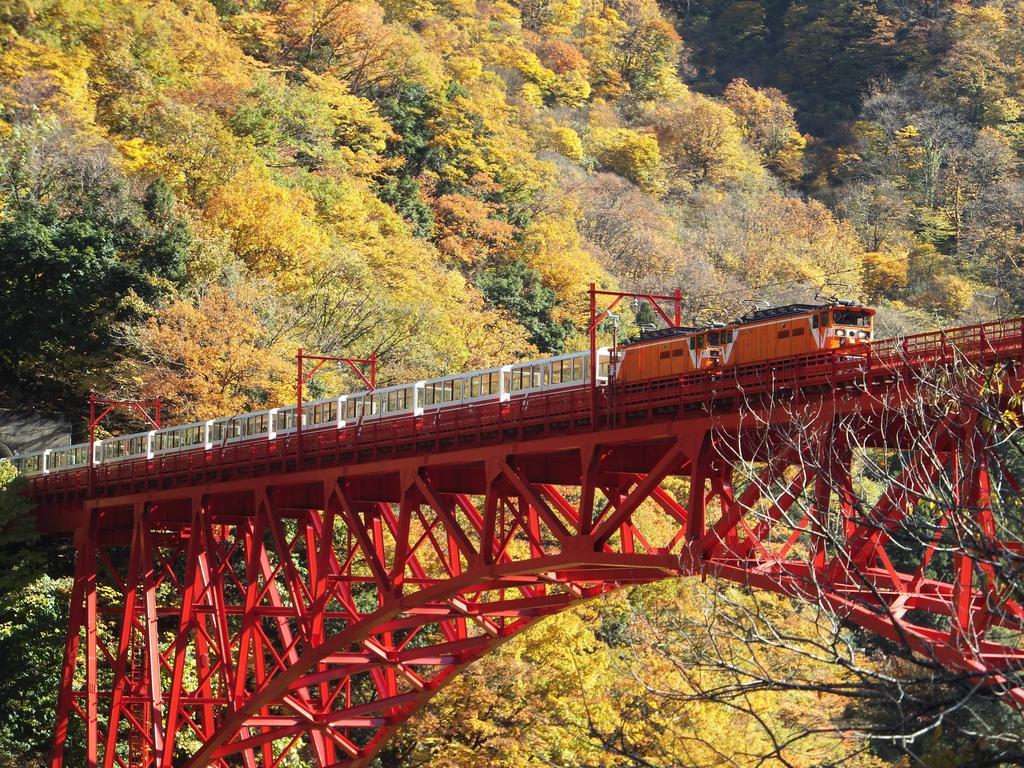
<point>796,329</point>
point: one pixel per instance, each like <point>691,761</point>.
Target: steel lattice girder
<point>323,607</point>
<point>293,634</point>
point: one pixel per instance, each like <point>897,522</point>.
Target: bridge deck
<point>876,371</point>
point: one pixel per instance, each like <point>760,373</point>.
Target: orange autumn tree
<point>213,357</point>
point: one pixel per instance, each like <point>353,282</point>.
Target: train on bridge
<point>246,590</point>
<point>765,334</point>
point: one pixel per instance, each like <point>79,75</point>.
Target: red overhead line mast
<point>596,318</point>
<point>302,376</point>
<point>141,407</point>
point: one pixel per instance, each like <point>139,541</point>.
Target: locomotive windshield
<point>855,317</point>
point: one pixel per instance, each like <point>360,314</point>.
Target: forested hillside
<point>914,110</point>
<point>190,190</point>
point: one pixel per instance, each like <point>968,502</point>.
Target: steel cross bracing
<point>235,608</point>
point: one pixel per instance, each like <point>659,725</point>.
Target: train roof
<point>650,334</point>
<point>784,311</point>
<point>768,313</point>
<point>795,309</point>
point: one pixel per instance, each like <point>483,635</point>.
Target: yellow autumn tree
<point>35,77</point>
<point>768,123</point>
<point>700,141</point>
<point>552,245</point>
<point>490,337</point>
<point>885,275</point>
<point>566,141</point>
<point>772,239</point>
<point>629,153</point>
<point>350,40</point>
<point>467,232</point>
<point>273,229</point>
<point>359,131</point>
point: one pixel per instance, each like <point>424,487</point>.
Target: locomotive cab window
<point>849,317</point>
<point>714,339</point>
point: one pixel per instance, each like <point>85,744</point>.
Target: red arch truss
<point>239,610</point>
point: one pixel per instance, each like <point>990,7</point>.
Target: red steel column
<point>91,472</point>
<point>121,679</point>
<point>91,679</point>
<point>300,375</point>
<point>593,355</point>
<point>186,620</point>
<point>151,657</point>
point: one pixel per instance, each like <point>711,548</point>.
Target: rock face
<point>24,432</point>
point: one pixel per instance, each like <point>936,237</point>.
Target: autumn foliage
<point>192,189</point>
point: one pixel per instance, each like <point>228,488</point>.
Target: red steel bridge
<point>231,606</point>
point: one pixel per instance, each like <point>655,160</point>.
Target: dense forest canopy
<point>438,181</point>
<point>189,190</point>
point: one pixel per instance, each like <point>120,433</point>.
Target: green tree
<point>518,289</point>
<point>31,645</point>
<point>409,107</point>
<point>33,607</point>
<point>20,559</point>
<point>649,54</point>
<point>66,284</point>
<point>403,193</point>
<point>823,55</point>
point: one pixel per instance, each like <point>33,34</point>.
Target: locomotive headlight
<point>862,334</point>
<point>840,332</point>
